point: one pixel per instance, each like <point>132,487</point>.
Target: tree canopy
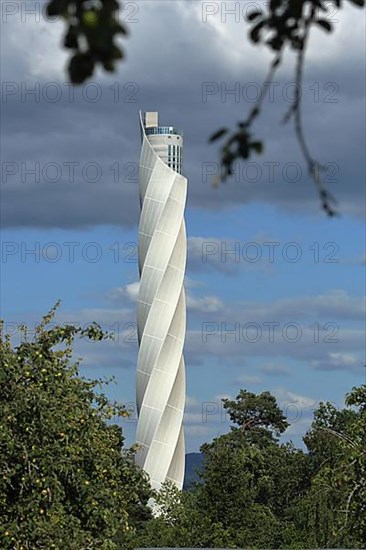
<point>66,479</point>
<point>258,492</point>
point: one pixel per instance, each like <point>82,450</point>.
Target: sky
<point>275,289</point>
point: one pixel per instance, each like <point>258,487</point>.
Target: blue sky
<point>308,279</point>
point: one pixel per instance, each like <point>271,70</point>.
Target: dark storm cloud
<point>85,152</point>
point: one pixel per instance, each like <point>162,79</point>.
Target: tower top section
<point>166,141</point>
<point>150,120</point>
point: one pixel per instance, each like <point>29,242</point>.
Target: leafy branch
<point>286,24</point>
<point>91,29</point>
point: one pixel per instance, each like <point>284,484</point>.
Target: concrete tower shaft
<point>161,311</point>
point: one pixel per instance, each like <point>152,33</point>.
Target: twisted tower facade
<point>161,310</point>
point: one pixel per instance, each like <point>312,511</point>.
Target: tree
<point>256,492</point>
<point>256,416</point>
<point>251,483</point>
<point>335,507</point>
<point>91,31</point>
<point>282,24</point>
<point>182,522</point>
<point>354,471</point>
<point>236,490</point>
<point>92,26</point>
<point>66,480</point>
<point>248,484</point>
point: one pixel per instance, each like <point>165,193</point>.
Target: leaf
<point>254,33</point>
<point>325,24</point>
<point>81,67</point>
<point>121,29</point>
<point>56,7</point>
<point>117,53</point>
<point>255,112</point>
<point>71,38</point>
<point>90,18</point>
<point>218,134</point>
<point>254,15</point>
<point>257,146</point>
<point>275,4</point>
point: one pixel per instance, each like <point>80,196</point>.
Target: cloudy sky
<point>275,289</point>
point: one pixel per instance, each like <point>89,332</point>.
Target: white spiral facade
<point>161,312</point>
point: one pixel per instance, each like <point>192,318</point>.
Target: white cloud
<point>285,396</point>
<point>227,255</point>
<point>191,283</point>
<point>298,427</point>
<point>298,409</point>
<point>129,291</point>
<point>34,43</point>
<point>311,329</point>
<point>191,401</point>
<point>274,370</point>
<point>228,21</point>
<point>132,291</point>
<point>248,379</point>
<point>206,304</point>
<point>338,361</point>
<point>334,48</point>
<point>330,307</point>
<point>334,304</point>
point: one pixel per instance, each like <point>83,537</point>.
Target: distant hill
<point>193,462</point>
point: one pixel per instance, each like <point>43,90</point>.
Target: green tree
<point>254,489</point>
<point>256,492</point>
<point>334,511</point>
<point>182,522</point>
<point>236,490</point>
<point>249,485</point>
<point>66,480</point>
<point>354,471</point>
<point>258,417</point>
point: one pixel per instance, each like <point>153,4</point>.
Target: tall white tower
<point>161,313</point>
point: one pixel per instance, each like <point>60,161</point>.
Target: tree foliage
<point>256,415</point>
<point>281,25</point>
<point>91,31</point>
<point>66,480</point>
<point>258,493</point>
<point>337,501</point>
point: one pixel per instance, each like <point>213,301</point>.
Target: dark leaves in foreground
<point>92,29</point>
<point>238,145</point>
<point>281,24</point>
